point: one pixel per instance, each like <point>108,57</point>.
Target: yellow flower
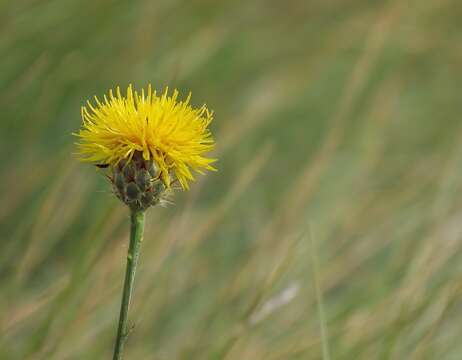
<point>170,132</point>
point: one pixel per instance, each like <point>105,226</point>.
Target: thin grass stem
<point>319,297</point>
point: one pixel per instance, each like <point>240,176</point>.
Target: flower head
<point>170,133</point>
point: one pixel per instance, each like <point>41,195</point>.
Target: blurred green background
<point>333,229</point>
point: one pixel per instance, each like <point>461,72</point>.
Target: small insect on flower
<point>147,141</point>
<point>102,166</point>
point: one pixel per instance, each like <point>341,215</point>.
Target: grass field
<point>333,228</point>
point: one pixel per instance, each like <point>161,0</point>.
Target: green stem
<point>136,237</point>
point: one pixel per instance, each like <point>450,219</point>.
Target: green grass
<point>340,118</point>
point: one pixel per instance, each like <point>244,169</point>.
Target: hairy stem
<point>136,237</point>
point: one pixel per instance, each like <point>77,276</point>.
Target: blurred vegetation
<point>333,228</point>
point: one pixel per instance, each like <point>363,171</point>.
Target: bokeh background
<point>333,229</point>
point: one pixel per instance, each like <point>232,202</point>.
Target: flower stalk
<point>136,237</point>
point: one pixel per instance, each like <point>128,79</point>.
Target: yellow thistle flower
<point>147,142</point>
<point>168,132</point>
